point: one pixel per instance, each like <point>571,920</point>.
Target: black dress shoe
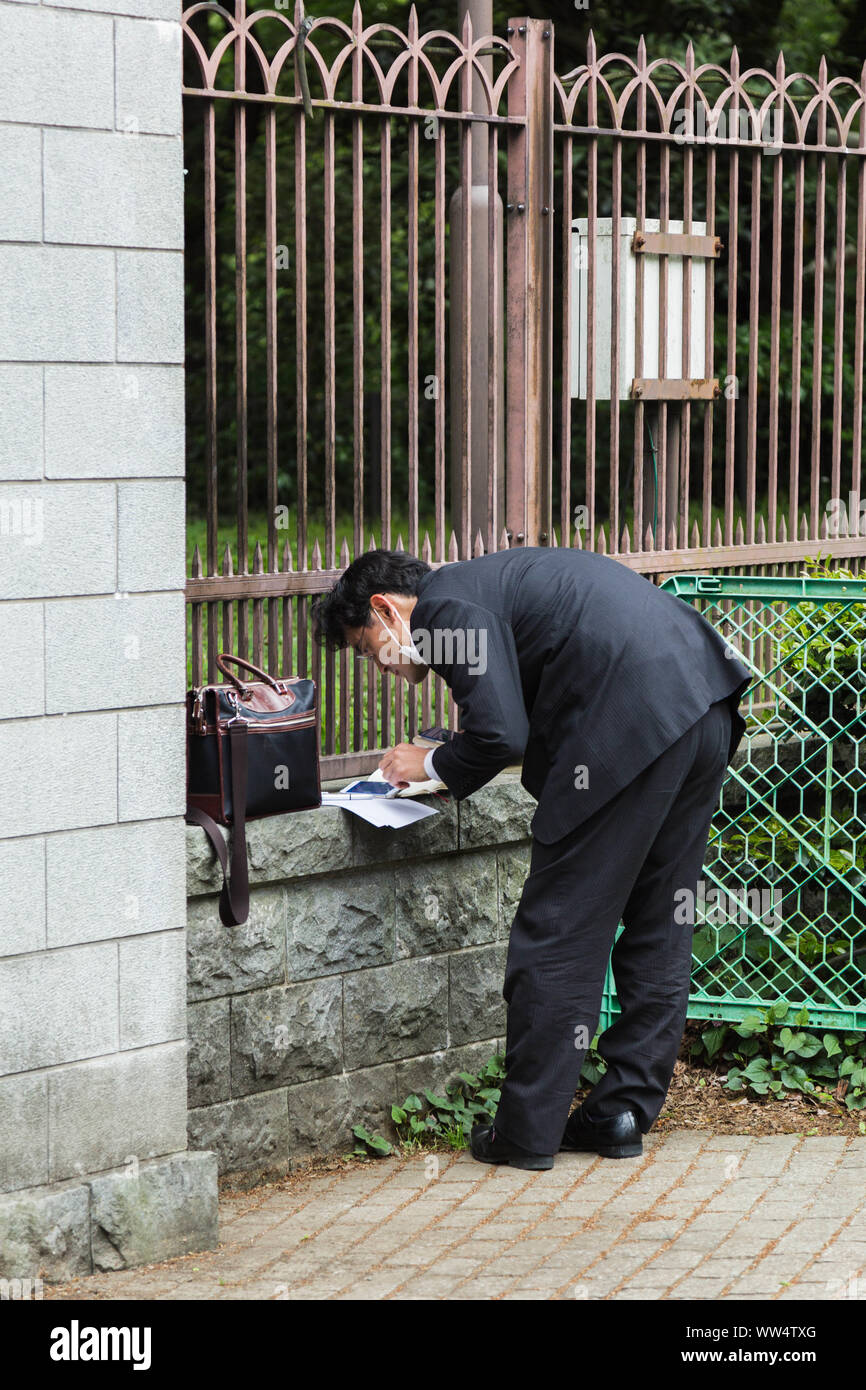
<point>489,1147</point>
<point>614,1136</point>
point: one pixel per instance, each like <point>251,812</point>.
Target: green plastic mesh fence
<point>779,912</point>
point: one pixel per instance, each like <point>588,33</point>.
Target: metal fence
<point>440,296</point>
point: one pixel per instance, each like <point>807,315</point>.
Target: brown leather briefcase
<point>252,751</point>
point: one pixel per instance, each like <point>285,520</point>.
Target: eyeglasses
<point>359,649</point>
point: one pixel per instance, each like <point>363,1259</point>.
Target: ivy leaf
<point>796,1079</point>
<point>440,1102</point>
<point>714,1040</point>
<point>375,1141</point>
<point>751,1024</point>
<point>758,1069</point>
<point>801,1044</point>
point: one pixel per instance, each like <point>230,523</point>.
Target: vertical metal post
<point>485,282</point>
<point>529,287</point>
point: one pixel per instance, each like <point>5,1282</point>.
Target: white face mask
<point>410,651</point>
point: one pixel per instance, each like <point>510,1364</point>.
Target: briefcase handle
<point>248,665</point>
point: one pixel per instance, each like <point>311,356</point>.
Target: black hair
<point>348,603</point>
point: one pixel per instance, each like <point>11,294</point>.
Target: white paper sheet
<point>379,810</point>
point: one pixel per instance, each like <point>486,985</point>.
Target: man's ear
<point>382,606</point>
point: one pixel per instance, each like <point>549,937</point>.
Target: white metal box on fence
<point>696,367</point>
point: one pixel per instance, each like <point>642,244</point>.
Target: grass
<point>196,530</point>
<point>257,528</point>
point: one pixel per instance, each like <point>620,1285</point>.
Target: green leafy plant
<point>594,1065</point>
<point>815,888</point>
<point>771,1060</point>
<point>370,1145</point>
<point>447,1120</point>
<point>431,1121</point>
<point>821,651</point>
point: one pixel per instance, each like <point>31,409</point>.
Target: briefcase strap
<point>235,895</point>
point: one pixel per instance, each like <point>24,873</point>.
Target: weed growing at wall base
<point>432,1121</point>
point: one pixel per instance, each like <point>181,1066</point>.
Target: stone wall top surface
<point>328,838</point>
<point>318,842</point>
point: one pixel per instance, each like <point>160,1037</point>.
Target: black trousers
<point>628,862</point>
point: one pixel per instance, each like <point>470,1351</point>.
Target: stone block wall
<point>94,1168</point>
<point>371,965</point>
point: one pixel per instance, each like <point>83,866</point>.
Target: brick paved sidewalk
<point>696,1216</point>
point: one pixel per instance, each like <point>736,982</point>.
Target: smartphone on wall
<point>371,788</point>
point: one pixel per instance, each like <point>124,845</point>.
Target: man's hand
<point>404,764</point>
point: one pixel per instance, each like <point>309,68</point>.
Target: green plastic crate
<point>785,871</point>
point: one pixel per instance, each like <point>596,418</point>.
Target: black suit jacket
<point>588,666</point>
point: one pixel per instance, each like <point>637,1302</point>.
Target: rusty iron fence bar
<point>608,127</point>
<point>626,102</point>
<point>277,593</point>
<point>707,143</point>
<point>360,108</point>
